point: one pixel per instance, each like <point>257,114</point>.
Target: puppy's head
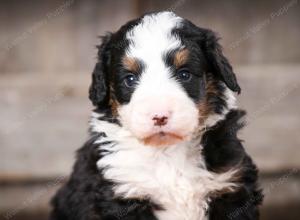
<point>163,78</point>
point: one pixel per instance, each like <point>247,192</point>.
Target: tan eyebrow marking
<point>181,57</point>
<point>131,64</point>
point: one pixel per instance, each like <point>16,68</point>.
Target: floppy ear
<point>218,63</point>
<point>99,89</point>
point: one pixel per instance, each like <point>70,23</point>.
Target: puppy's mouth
<point>162,139</point>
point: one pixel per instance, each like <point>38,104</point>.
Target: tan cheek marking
<point>130,64</point>
<point>204,110</point>
<point>204,107</point>
<point>114,104</point>
<point>114,107</point>
<point>181,57</point>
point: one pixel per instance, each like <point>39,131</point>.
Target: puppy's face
<point>163,78</point>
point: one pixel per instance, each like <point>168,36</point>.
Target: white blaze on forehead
<point>150,39</point>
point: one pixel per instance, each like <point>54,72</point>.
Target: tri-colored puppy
<point>163,137</point>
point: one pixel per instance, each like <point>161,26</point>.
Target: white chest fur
<point>175,177</point>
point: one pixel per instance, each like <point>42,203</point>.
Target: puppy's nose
<point>160,120</point>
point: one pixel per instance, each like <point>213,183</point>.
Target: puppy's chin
<point>162,139</point>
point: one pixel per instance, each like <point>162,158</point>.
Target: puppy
<point>163,136</point>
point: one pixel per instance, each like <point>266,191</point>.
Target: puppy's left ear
<point>218,63</point>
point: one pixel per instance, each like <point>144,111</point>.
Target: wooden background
<point>47,52</point>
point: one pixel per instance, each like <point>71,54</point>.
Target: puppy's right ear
<point>99,89</point>
<point>219,64</point>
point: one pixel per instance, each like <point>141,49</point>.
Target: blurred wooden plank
<point>26,202</point>
<point>270,94</point>
<point>58,35</point>
<point>44,120</point>
<point>281,196</point>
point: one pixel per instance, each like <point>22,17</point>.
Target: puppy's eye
<point>184,75</point>
<point>130,80</point>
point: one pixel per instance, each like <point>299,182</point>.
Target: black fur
<point>110,53</point>
<point>197,66</point>
<point>98,92</point>
<point>207,41</point>
<point>222,149</point>
<point>88,196</point>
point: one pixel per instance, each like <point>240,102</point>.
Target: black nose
<point>160,120</point>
